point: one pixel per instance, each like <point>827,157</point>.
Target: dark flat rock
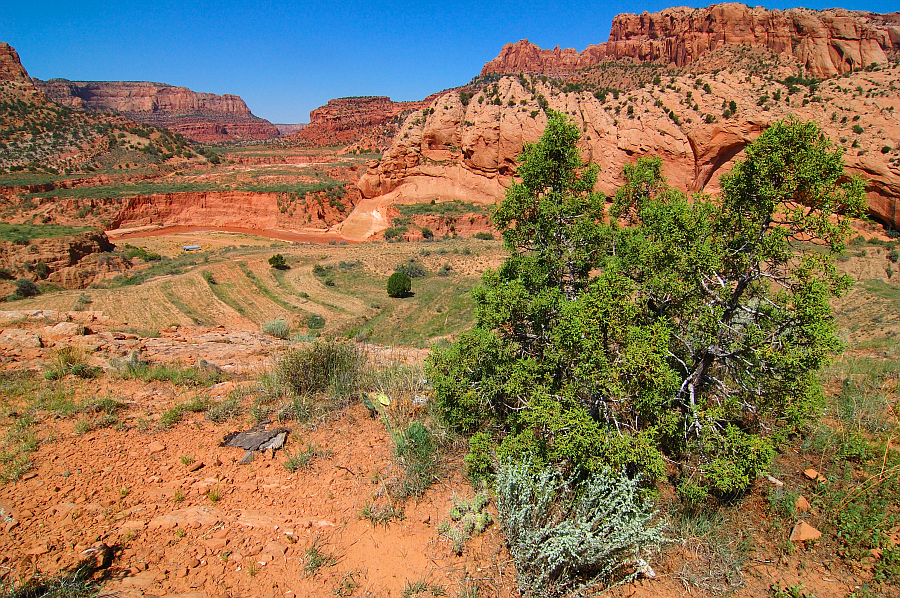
<point>256,438</point>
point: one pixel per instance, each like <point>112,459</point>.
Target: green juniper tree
<point>674,330</point>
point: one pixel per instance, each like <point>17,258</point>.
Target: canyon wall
<point>370,121</point>
<point>827,43</point>
<point>203,117</point>
<point>468,152</point>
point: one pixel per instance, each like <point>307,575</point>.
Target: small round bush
<point>42,270</point>
<point>26,288</point>
<point>398,285</point>
<point>278,262</point>
<point>315,321</point>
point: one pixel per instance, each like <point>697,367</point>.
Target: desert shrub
<point>278,262</point>
<point>570,532</point>
<point>484,235</point>
<point>322,367</point>
<point>395,232</point>
<point>894,256</point>
<point>71,360</point>
<point>427,233</point>
<point>141,253</point>
<point>315,321</point>
<point>597,345</point>
<point>81,303</point>
<point>279,328</point>
<point>857,129</point>
<point>41,270</point>
<point>412,268</point>
<point>26,288</point>
<point>398,285</point>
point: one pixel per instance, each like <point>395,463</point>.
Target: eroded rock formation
<point>233,209</point>
<point>11,68</point>
<point>468,152</point>
<point>204,117</point>
<point>827,43</point>
<point>74,262</point>
<point>372,120</point>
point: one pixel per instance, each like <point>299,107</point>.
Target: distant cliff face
<point>11,68</point>
<point>827,43</point>
<point>204,117</point>
<point>342,121</point>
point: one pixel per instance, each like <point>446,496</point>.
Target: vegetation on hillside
<point>689,338</point>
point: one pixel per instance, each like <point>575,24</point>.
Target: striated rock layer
<point>203,117</point>
<point>827,42</point>
<point>225,209</point>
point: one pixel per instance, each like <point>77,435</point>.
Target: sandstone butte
<point>368,121</point>
<point>826,43</point>
<point>467,151</point>
<point>203,117</point>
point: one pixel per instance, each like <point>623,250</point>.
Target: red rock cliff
<point>11,68</point>
<point>347,120</point>
<point>204,117</point>
<point>827,42</point>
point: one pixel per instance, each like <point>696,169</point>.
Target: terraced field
<point>343,284</point>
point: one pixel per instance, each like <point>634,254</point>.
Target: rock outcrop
<point>73,262</point>
<point>11,68</point>
<point>232,209</point>
<point>203,117</point>
<point>372,120</point>
<point>827,42</point>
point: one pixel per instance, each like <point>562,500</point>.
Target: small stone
<point>193,563</point>
<point>215,543</point>
<point>804,532</point>
<point>155,447</point>
<point>195,466</point>
<point>10,526</point>
<point>37,550</point>
<point>811,473</point>
<point>803,505</point>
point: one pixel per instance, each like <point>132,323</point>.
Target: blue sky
<point>286,58</point>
